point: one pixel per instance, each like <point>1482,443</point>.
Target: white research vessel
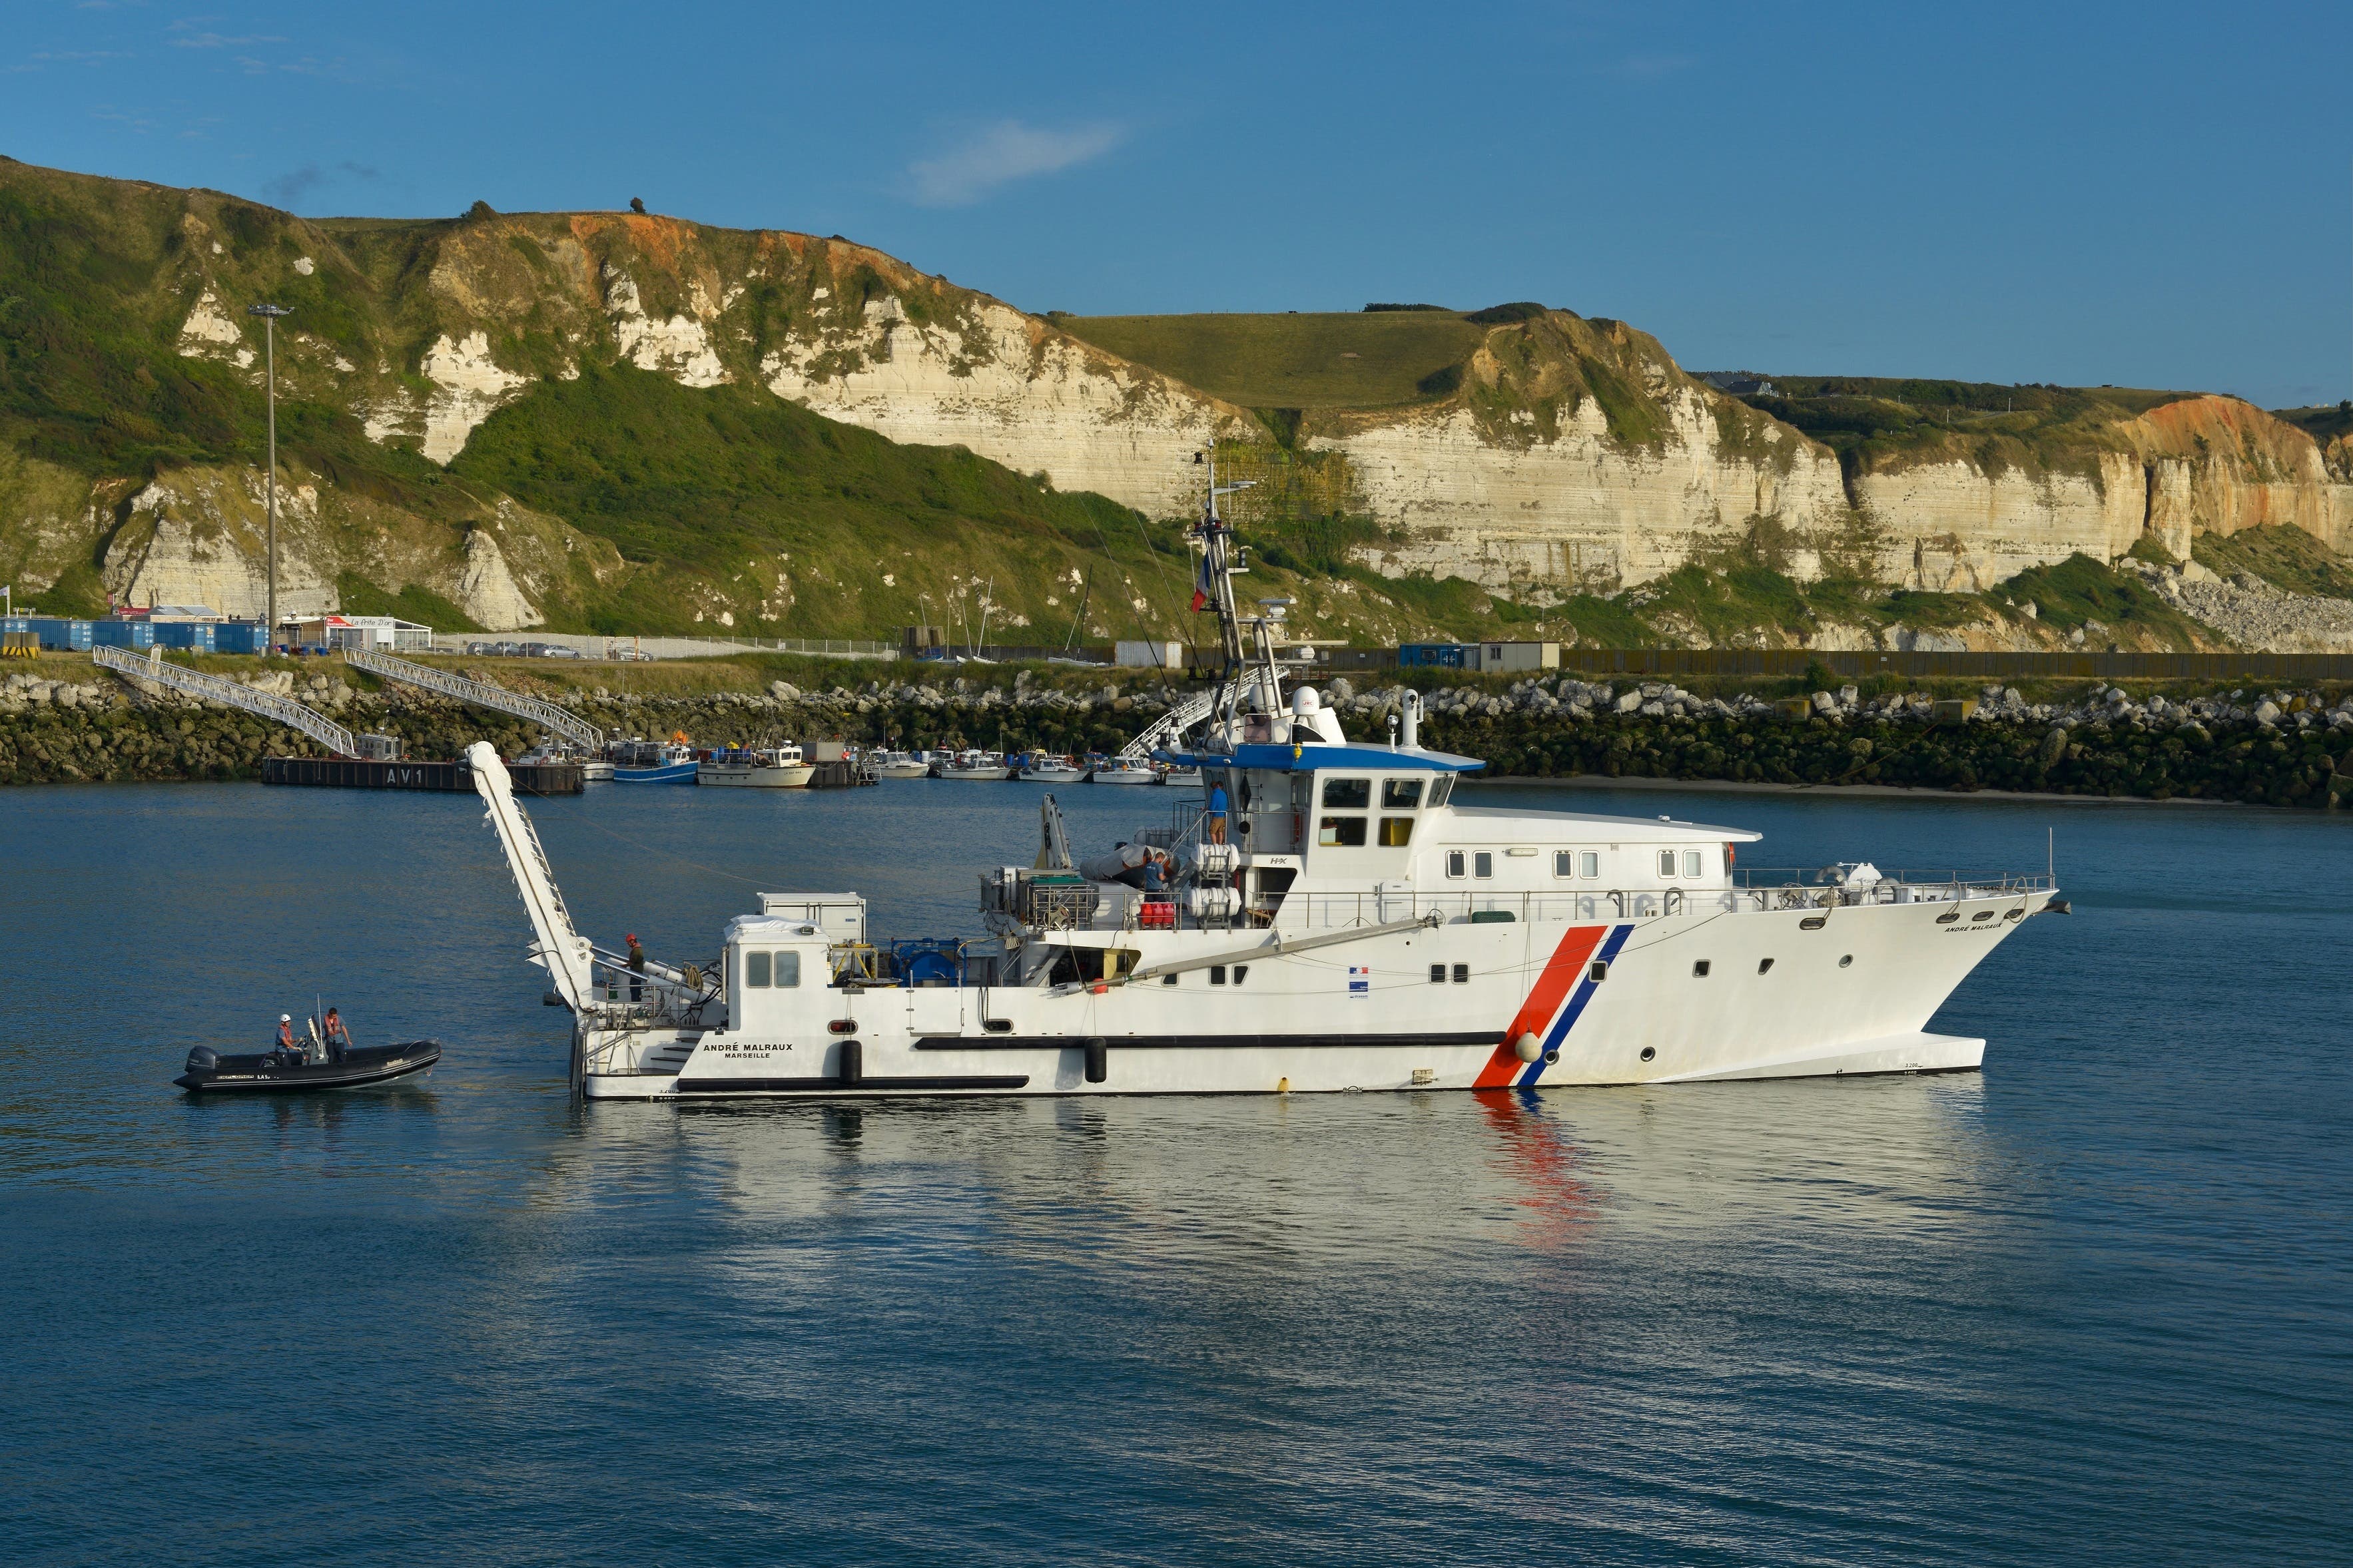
<point>1348,927</point>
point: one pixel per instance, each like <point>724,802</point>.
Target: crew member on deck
<point>285,1031</point>
<point>1217,813</point>
<point>636,970</point>
<point>339,1039</point>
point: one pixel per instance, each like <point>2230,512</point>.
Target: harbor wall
<point>2276,747</point>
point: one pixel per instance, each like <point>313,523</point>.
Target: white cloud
<point>999,154</point>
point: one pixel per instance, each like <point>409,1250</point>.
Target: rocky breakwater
<point>2281,748</point>
<point>66,730</point>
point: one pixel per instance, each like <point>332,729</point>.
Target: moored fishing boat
<point>974,764</point>
<point>652,762</point>
<point>1123,771</point>
<point>765,767</point>
<point>1348,924</point>
<point>1039,768</point>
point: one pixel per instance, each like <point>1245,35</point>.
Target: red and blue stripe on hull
<point>1553,1004</point>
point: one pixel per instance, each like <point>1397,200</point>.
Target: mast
<point>1221,562</point>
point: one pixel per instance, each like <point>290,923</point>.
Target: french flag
<point>1202,587</point>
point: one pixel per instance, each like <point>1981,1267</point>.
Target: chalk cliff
<point>1561,456</point>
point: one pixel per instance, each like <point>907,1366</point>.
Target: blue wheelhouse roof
<point>1322,756</point>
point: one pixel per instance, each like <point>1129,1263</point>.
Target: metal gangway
<point>1170,725</point>
<point>559,721</point>
<point>268,704</point>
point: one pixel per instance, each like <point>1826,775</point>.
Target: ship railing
<point>1322,911</point>
<point>661,998</point>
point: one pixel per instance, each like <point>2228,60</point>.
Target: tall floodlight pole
<point>269,314</point>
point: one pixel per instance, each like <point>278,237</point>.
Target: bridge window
<point>1439,788</point>
<point>1348,794</point>
<point>789,969</point>
<point>755,971</point>
<point>1400,795</point>
<point>1340,832</point>
<point>1397,832</point>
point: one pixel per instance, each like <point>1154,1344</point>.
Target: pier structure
<point>558,722</point>
<point>235,694</point>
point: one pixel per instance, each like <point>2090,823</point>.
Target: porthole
<point>1461,974</point>
<point>1168,980</point>
<point>1242,973</point>
<point>1846,961</point>
<point>1650,1053</point>
<point>1438,974</point>
<point>1217,975</point>
<point>1600,972</point>
<point>1551,1057</point>
<point>1699,970</point>
<point>1764,965</point>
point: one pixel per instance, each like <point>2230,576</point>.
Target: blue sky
<point>2149,195</point>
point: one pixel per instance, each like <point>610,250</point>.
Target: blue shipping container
<point>123,634</point>
<point>1434,656</point>
<point>240,637</point>
<point>73,637</point>
<point>197,636</point>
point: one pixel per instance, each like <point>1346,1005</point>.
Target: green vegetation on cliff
<point>841,531</point>
<point>1873,422</point>
<point>1295,359</point>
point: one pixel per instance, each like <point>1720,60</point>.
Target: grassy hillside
<point>728,498</point>
<point>1295,358</point>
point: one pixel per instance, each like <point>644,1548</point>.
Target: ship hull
<point>1851,996</point>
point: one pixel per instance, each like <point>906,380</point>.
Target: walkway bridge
<point>561,722</point>
<point>230,693</point>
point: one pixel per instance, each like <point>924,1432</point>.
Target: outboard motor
<point>204,1058</point>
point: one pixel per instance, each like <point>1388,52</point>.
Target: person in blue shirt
<point>1217,813</point>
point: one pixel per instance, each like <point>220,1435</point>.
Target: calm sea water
<point>2090,1306</point>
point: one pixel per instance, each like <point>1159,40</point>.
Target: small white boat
<point>1184,777</point>
<point>1040,769</point>
<point>1124,770</point>
<point>976,765</point>
<point>768,767</point>
<point>901,765</point>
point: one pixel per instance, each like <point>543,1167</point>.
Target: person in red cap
<point>637,969</point>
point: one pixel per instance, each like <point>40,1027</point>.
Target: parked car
<point>505,650</point>
<point>479,648</point>
<point>558,650</point>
